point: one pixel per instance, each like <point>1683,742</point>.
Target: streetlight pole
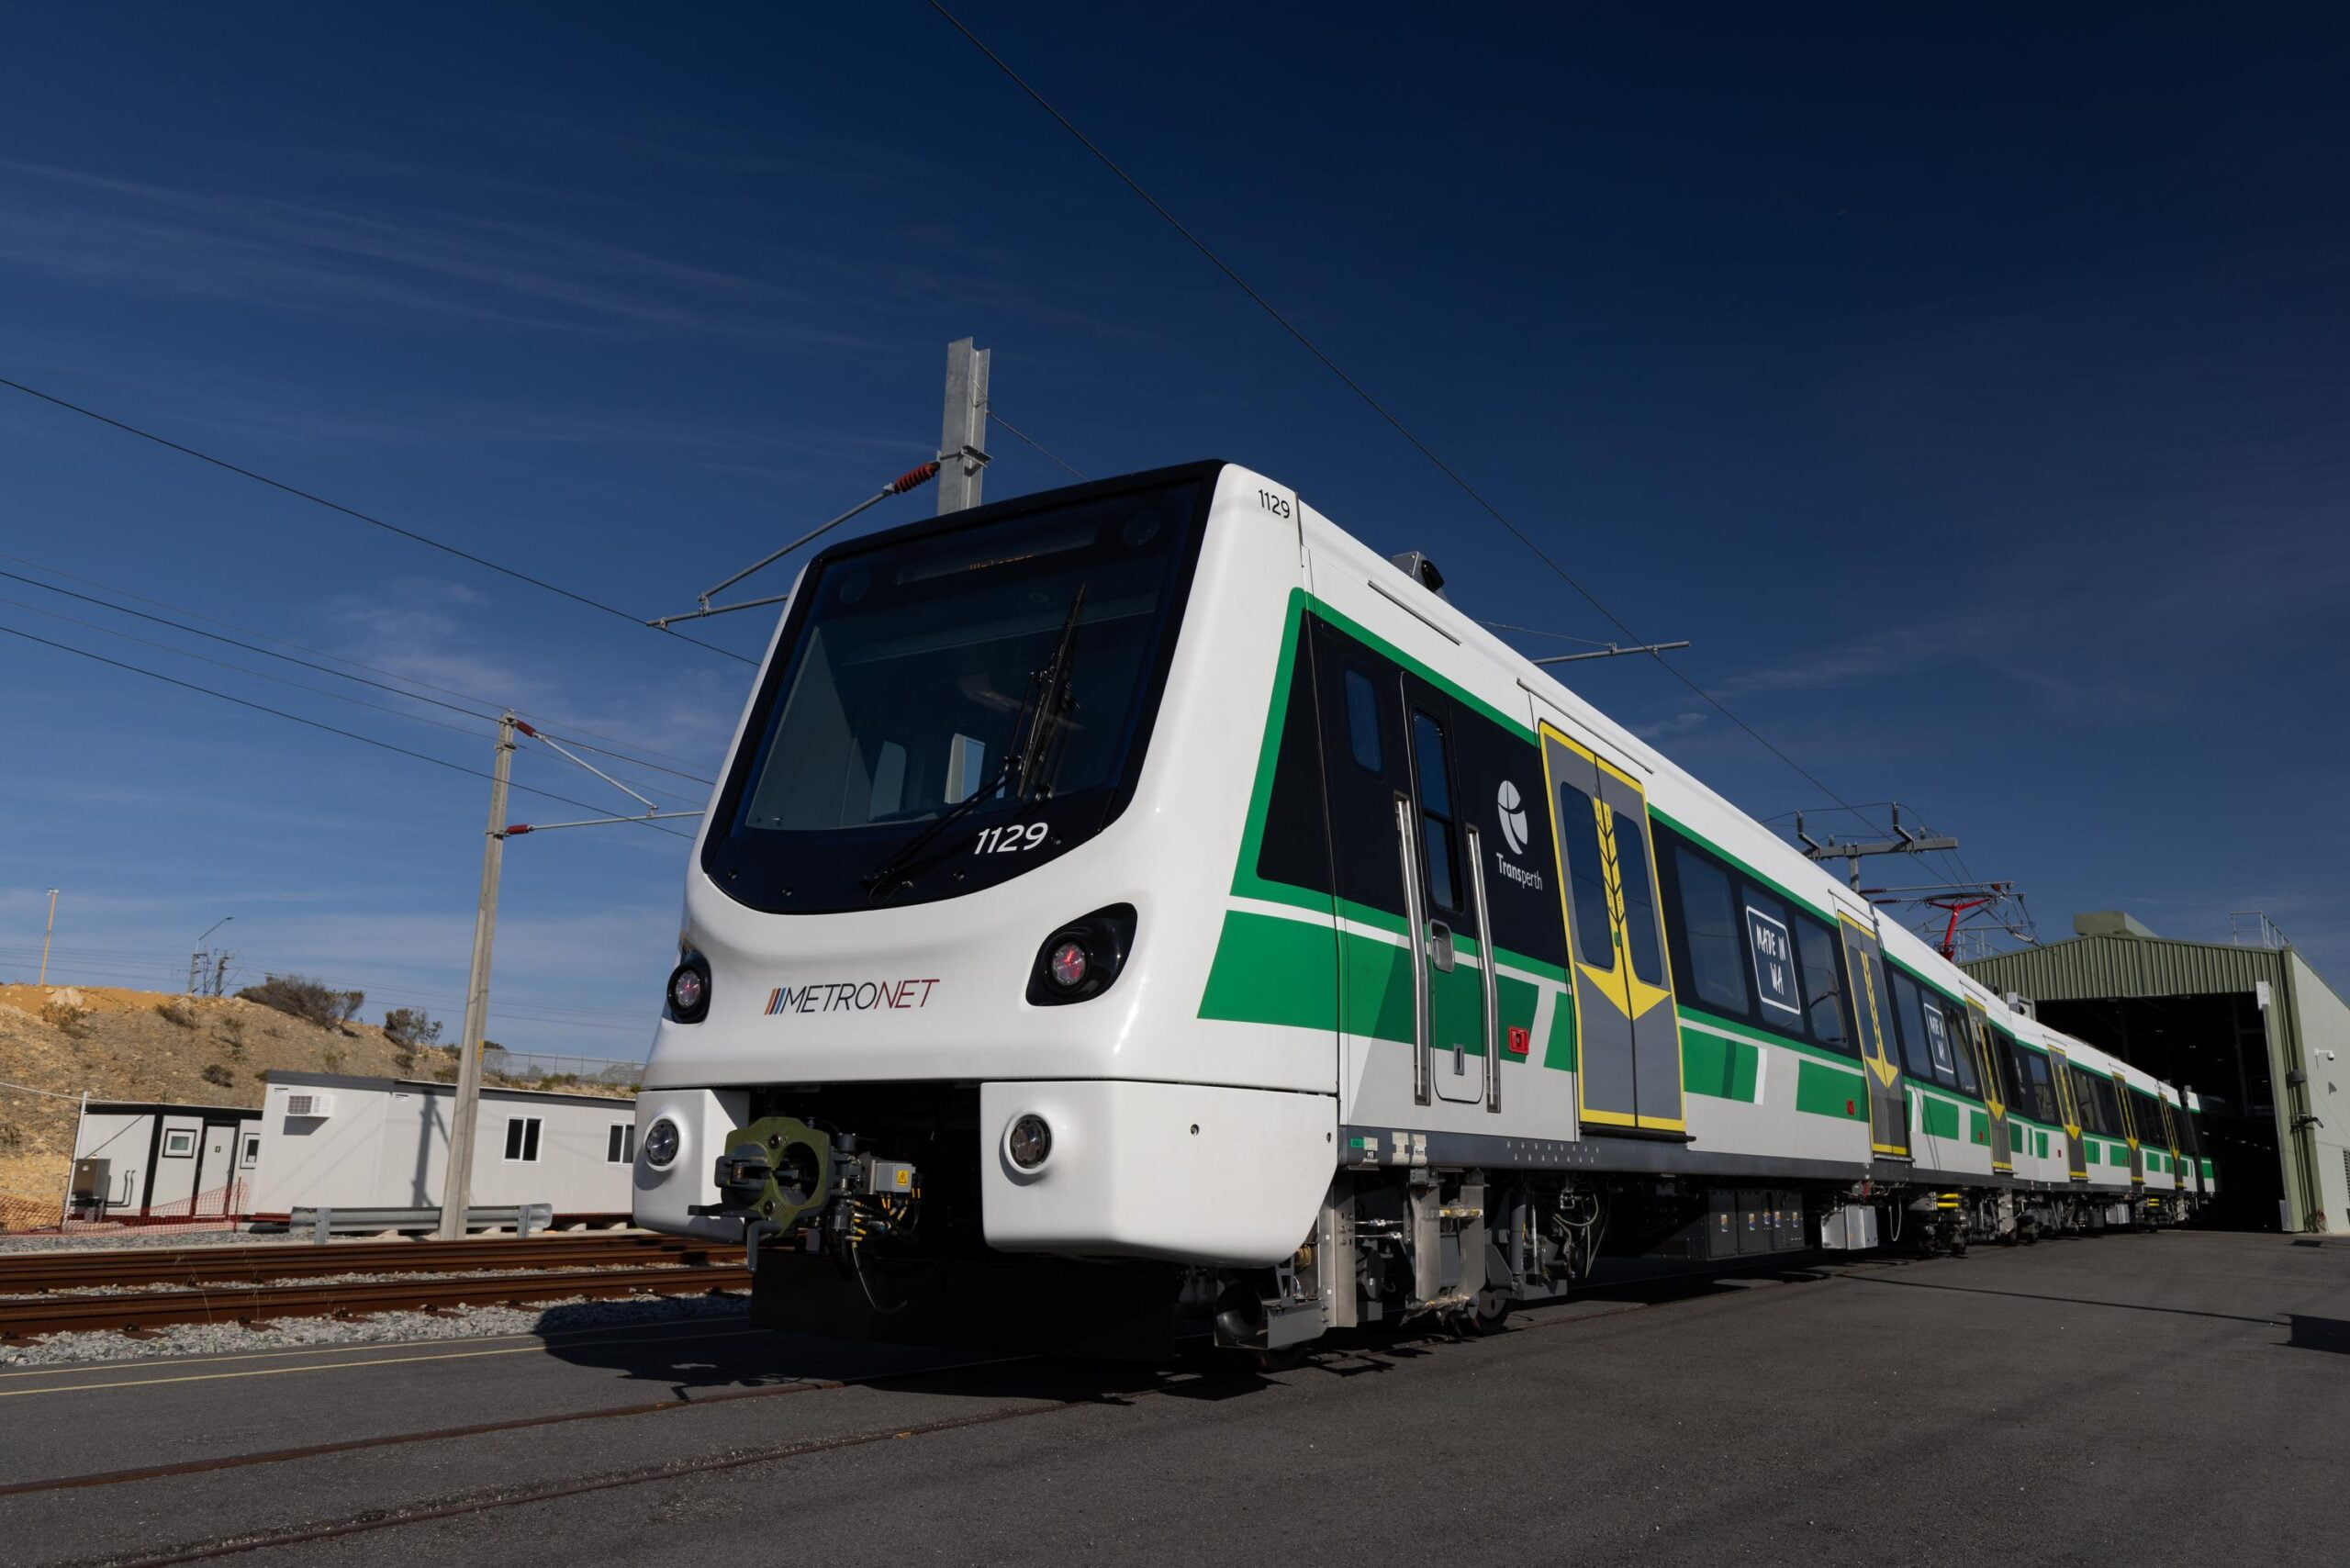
<point>456,1189</point>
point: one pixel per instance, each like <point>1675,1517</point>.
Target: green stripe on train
<point>1271,970</point>
<point>1725,1069</point>
<point>1825,1091</point>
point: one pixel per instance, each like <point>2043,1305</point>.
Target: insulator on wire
<point>913,477</point>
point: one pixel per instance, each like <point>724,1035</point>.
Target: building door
<point>1997,1093</point>
<point>1873,1020</point>
<point>216,1170</point>
<point>1455,1030</point>
<point>2068,1104</point>
<point>1627,1029</point>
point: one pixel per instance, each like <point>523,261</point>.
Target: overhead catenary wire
<point>355,514</point>
<point>1018,434</point>
<point>1363,393</point>
<point>490,705</point>
<point>299,719</point>
<point>307,664</point>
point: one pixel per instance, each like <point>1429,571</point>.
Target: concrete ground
<point>2149,1400</point>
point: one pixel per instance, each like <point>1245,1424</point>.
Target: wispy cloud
<point>275,252</point>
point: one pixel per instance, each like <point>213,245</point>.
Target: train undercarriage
<point>861,1205</point>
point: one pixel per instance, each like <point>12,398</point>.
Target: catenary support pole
<point>963,440</point>
<point>46,932</point>
<point>457,1189</point>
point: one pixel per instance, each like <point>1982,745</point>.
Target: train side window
<point>1641,930</point>
<point>1708,933</point>
<point>1771,944</point>
<point>1961,1048</point>
<point>1586,878</point>
<point>1830,1021</point>
<point>1910,1026</point>
<point>1362,723</point>
<point>2040,1086</point>
<point>1436,810</point>
<point>1938,1050</point>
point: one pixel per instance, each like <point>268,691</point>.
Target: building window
<point>619,1148</point>
<point>252,1155</point>
<point>522,1139</point>
<point>179,1144</point>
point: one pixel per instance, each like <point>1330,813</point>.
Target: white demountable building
<point>148,1158</point>
<point>329,1141</point>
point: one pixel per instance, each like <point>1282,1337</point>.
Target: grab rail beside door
<point>1485,967</point>
<point>1416,935</point>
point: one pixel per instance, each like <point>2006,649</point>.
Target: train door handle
<point>1440,945</point>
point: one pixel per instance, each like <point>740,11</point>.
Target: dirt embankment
<point>144,1045</point>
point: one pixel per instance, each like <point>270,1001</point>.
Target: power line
<point>1031,441</point>
<point>1363,393</point>
<point>296,685</point>
<point>240,669</point>
<point>354,513</point>
<point>306,663</point>
<point>310,723</point>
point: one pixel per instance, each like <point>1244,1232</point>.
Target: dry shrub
<point>177,1012</point>
<point>218,1076</point>
<point>313,1001</point>
<point>66,1018</point>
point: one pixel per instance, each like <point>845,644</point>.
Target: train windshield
<point>950,686</point>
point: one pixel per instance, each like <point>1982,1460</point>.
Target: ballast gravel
<point>454,1323</point>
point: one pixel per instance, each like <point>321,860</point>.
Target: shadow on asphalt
<point>723,1353</point>
<point>2319,1334</point>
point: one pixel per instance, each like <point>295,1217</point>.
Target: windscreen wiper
<point>1054,678</point>
<point>1058,703</point>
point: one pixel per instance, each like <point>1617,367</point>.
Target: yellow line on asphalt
<point>324,1366</point>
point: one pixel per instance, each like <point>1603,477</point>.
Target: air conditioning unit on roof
<point>310,1102</point>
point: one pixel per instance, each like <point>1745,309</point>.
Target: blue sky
<point>1969,391</point>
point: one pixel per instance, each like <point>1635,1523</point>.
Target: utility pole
<point>1903,841</point>
<point>456,1190</point>
<point>963,442</point>
<point>46,932</point>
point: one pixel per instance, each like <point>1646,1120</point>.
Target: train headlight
<point>1083,958</point>
<point>1030,1141</point>
<point>661,1143</point>
<point>688,993</point>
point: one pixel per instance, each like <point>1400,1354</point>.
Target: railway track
<point>202,1286</point>
<point>25,1273</point>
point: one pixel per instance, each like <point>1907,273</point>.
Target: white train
<point>1142,901</point>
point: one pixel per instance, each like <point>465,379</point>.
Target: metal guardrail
<point>326,1221</point>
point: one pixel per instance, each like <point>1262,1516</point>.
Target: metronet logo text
<point>849,996</point>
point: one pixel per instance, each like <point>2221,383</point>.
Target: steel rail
<point>153,1309</point>
<point>24,1274</point>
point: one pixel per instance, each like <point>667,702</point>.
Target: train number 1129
<point>1009,840</point>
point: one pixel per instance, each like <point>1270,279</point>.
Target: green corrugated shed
<point>2307,1024</point>
<point>2091,967</point>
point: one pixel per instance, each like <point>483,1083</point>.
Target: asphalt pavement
<point>2174,1398</point>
